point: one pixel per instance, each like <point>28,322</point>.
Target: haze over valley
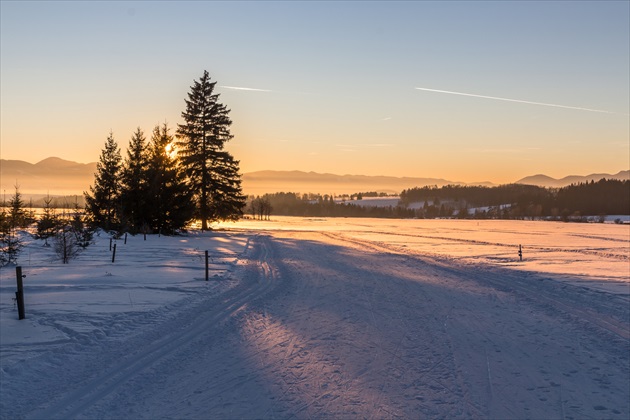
<point>56,176</point>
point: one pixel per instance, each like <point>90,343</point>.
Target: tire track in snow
<point>89,393</point>
<point>499,279</point>
<point>599,253</point>
<point>370,357</point>
<point>423,345</point>
<point>564,311</point>
<point>427,377</point>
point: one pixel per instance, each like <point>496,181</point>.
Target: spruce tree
<point>82,233</point>
<point>48,222</point>
<point>17,211</point>
<point>5,237</point>
<point>212,172</point>
<point>65,244</point>
<point>11,243</point>
<point>170,200</point>
<point>134,183</point>
<point>102,203</point>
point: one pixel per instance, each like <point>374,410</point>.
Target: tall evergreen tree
<point>134,183</point>
<point>102,203</point>
<point>213,173</point>
<point>170,199</point>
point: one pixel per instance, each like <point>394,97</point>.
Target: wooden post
<point>110,244</point>
<point>520,253</point>
<point>114,254</point>
<point>125,238</point>
<point>19,295</point>
<point>206,265</point>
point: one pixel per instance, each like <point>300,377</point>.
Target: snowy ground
<point>326,318</point>
<point>593,255</point>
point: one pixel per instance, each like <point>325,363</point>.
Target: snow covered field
<point>594,255</point>
<point>326,318</point>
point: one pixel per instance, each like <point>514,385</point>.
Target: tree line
<point>317,205</point>
<point>513,201</point>
<point>166,182</point>
<point>161,186</point>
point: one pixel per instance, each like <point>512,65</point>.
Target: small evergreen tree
<point>212,172</point>
<point>5,237</point>
<point>18,216</point>
<point>103,200</point>
<point>65,244</point>
<point>48,222</point>
<point>82,233</point>
<point>71,234</point>
<point>11,243</point>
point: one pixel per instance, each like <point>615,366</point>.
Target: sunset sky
<point>467,91</point>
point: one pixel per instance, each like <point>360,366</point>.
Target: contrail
<point>516,100</point>
<point>269,90</point>
<point>245,88</point>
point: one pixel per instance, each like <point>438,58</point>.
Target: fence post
<point>19,295</point>
<point>114,254</point>
<point>520,253</point>
<point>206,265</point>
<point>125,238</point>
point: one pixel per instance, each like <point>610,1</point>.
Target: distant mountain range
<point>52,175</point>
<point>547,181</point>
<point>298,181</point>
<point>61,177</point>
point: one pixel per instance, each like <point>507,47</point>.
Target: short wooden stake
<point>520,253</point>
<point>125,238</point>
<point>207,265</point>
<point>19,295</point>
<point>110,244</point>
<point>114,254</point>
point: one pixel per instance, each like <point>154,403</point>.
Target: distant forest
<point>512,201</point>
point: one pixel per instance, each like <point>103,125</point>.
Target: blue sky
<point>336,82</point>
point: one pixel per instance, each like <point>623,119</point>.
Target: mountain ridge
<point>547,181</point>
<point>59,176</point>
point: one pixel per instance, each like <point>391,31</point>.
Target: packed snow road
<point>321,325</point>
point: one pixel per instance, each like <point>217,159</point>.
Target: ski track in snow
<point>324,324</point>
